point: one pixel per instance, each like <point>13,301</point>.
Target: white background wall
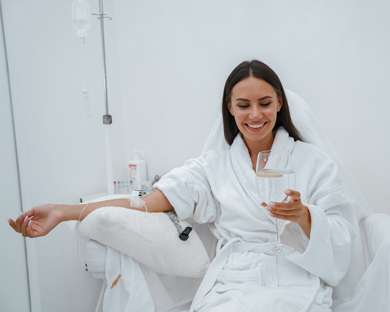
<point>167,65</point>
<point>13,255</point>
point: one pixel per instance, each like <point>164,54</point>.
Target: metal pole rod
<point>107,118</point>
<point>101,10</point>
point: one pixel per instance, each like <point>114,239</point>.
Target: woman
<point>219,188</point>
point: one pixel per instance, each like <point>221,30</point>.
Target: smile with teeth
<point>255,126</point>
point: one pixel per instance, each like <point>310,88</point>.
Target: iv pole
<point>107,118</point>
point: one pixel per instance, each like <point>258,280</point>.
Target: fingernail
<point>271,214</point>
<point>25,219</point>
<point>271,204</point>
<point>29,223</point>
<point>9,221</point>
<point>287,192</point>
<point>20,216</point>
<point>268,208</point>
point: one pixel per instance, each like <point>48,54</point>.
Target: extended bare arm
<point>40,220</point>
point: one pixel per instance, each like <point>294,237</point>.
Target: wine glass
<point>275,174</point>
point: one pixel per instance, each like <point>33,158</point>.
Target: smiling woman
<point>219,188</point>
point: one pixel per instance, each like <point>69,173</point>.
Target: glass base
<point>278,250</point>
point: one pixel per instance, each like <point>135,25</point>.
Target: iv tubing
<point>110,175</point>
<point>78,237</point>
<point>83,65</point>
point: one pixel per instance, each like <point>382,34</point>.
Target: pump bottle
<point>137,171</point>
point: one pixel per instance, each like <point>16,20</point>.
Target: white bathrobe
<point>219,188</point>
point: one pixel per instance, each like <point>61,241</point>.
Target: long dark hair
<point>259,70</point>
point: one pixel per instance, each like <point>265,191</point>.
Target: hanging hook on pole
<point>101,16</point>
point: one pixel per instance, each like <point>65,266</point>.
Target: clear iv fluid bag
<point>81,17</point>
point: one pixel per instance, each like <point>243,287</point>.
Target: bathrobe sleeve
<point>327,253</point>
<point>188,190</point>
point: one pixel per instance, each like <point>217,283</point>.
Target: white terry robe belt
<point>269,264</point>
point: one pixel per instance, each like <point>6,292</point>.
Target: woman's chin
<point>258,138</point>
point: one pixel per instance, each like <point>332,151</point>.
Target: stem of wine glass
<point>285,200</point>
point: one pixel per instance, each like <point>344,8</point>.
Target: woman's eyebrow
<point>263,98</point>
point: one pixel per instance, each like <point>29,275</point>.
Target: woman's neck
<point>255,147</point>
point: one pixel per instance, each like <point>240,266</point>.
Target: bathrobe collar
<point>242,163</point>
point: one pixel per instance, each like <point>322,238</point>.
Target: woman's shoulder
<point>316,168</point>
<point>211,154</point>
<point>310,153</point>
<point>210,157</point>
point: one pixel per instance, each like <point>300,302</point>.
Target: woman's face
<point>254,105</point>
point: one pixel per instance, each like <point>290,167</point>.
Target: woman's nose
<point>255,113</point>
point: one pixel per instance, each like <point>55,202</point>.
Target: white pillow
<point>149,238</point>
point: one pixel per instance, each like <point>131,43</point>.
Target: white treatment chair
<point>366,286</point>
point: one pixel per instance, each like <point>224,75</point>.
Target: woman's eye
<point>243,106</point>
<point>265,104</point>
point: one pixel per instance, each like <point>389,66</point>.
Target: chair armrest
<point>377,230</point>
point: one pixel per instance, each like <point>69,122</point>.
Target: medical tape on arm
<point>136,201</point>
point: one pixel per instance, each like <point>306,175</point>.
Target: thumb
<point>30,213</point>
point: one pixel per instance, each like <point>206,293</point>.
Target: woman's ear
<point>229,106</point>
<point>280,104</point>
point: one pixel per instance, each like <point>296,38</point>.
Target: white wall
<point>167,65</point>
<point>13,256</point>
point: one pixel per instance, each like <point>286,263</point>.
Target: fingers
<point>21,224</point>
<point>12,224</point>
<point>26,220</point>
<point>291,211</point>
<point>285,213</point>
<point>295,218</point>
<point>18,222</point>
<point>294,195</point>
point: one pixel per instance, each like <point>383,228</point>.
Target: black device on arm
<point>183,235</point>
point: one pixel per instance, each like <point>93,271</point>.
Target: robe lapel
<point>282,141</point>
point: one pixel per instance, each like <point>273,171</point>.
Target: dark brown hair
<point>259,70</point>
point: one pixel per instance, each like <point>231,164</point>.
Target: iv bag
<point>81,16</point>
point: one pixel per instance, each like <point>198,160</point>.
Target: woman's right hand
<point>38,221</point>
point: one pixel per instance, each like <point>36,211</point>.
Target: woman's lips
<point>255,127</point>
